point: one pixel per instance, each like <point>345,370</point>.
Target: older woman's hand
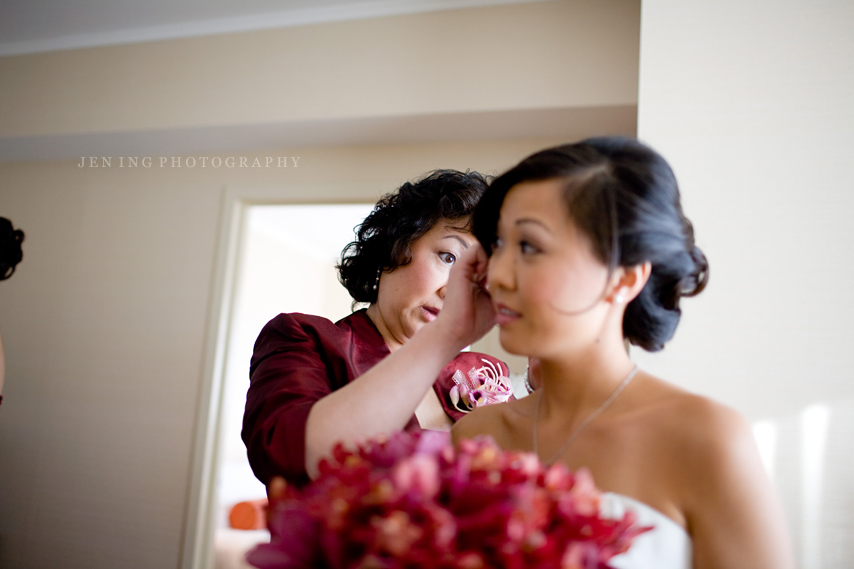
<point>467,313</point>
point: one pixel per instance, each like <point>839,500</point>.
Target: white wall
<point>753,105</point>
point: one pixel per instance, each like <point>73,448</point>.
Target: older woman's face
<point>412,295</point>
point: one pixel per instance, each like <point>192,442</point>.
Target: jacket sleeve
<point>288,375</point>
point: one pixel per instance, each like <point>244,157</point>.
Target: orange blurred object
<point>248,515</point>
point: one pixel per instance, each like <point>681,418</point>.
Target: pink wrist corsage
<point>483,386</point>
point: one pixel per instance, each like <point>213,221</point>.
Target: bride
<point>588,247</point>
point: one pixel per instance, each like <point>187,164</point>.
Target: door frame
<point>199,518</point>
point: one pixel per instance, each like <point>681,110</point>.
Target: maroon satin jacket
<point>298,360</point>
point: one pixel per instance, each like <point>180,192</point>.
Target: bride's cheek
<point>541,288</point>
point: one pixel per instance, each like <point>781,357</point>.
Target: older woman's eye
<point>447,258</point>
<point>497,244</point>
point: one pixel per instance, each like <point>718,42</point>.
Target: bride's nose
<point>500,271</point>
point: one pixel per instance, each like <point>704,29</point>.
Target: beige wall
<point>528,56</point>
<point>753,105</point>
<point>104,326</point>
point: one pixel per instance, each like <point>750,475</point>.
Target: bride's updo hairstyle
<point>623,196</point>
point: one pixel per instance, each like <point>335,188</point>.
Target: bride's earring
<point>619,298</point>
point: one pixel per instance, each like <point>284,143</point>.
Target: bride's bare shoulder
<point>687,415</point>
<point>717,479</point>
<point>681,417</point>
<point>706,437</point>
<point>495,420</point>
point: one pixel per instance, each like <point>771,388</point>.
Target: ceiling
<point>32,26</point>
<point>568,124</point>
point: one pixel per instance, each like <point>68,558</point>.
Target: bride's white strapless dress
<point>668,546</point>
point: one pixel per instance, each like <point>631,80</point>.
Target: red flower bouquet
<point>413,501</point>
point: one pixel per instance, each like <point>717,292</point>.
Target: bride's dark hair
<point>624,197</point>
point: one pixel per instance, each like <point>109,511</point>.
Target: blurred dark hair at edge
<point>10,248</point>
<point>10,255</point>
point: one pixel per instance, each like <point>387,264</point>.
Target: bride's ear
<point>628,282</point>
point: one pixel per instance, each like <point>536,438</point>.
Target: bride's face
<point>546,283</point>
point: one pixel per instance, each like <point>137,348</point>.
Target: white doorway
<point>285,263</point>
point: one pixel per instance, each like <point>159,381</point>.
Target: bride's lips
<point>504,315</point>
<point>430,313</point>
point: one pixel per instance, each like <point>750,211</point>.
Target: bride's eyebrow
<point>530,220</point>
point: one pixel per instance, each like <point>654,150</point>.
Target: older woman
<point>303,397</point>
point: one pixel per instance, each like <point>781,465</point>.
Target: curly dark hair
<point>10,248</point>
<point>623,195</point>
<point>384,239</point>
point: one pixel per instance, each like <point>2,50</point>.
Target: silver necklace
<point>574,434</point>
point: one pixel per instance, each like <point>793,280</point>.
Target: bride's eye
<point>497,244</point>
<point>447,258</point>
<point>527,248</point>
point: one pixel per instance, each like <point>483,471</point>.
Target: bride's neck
<point>575,383</point>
